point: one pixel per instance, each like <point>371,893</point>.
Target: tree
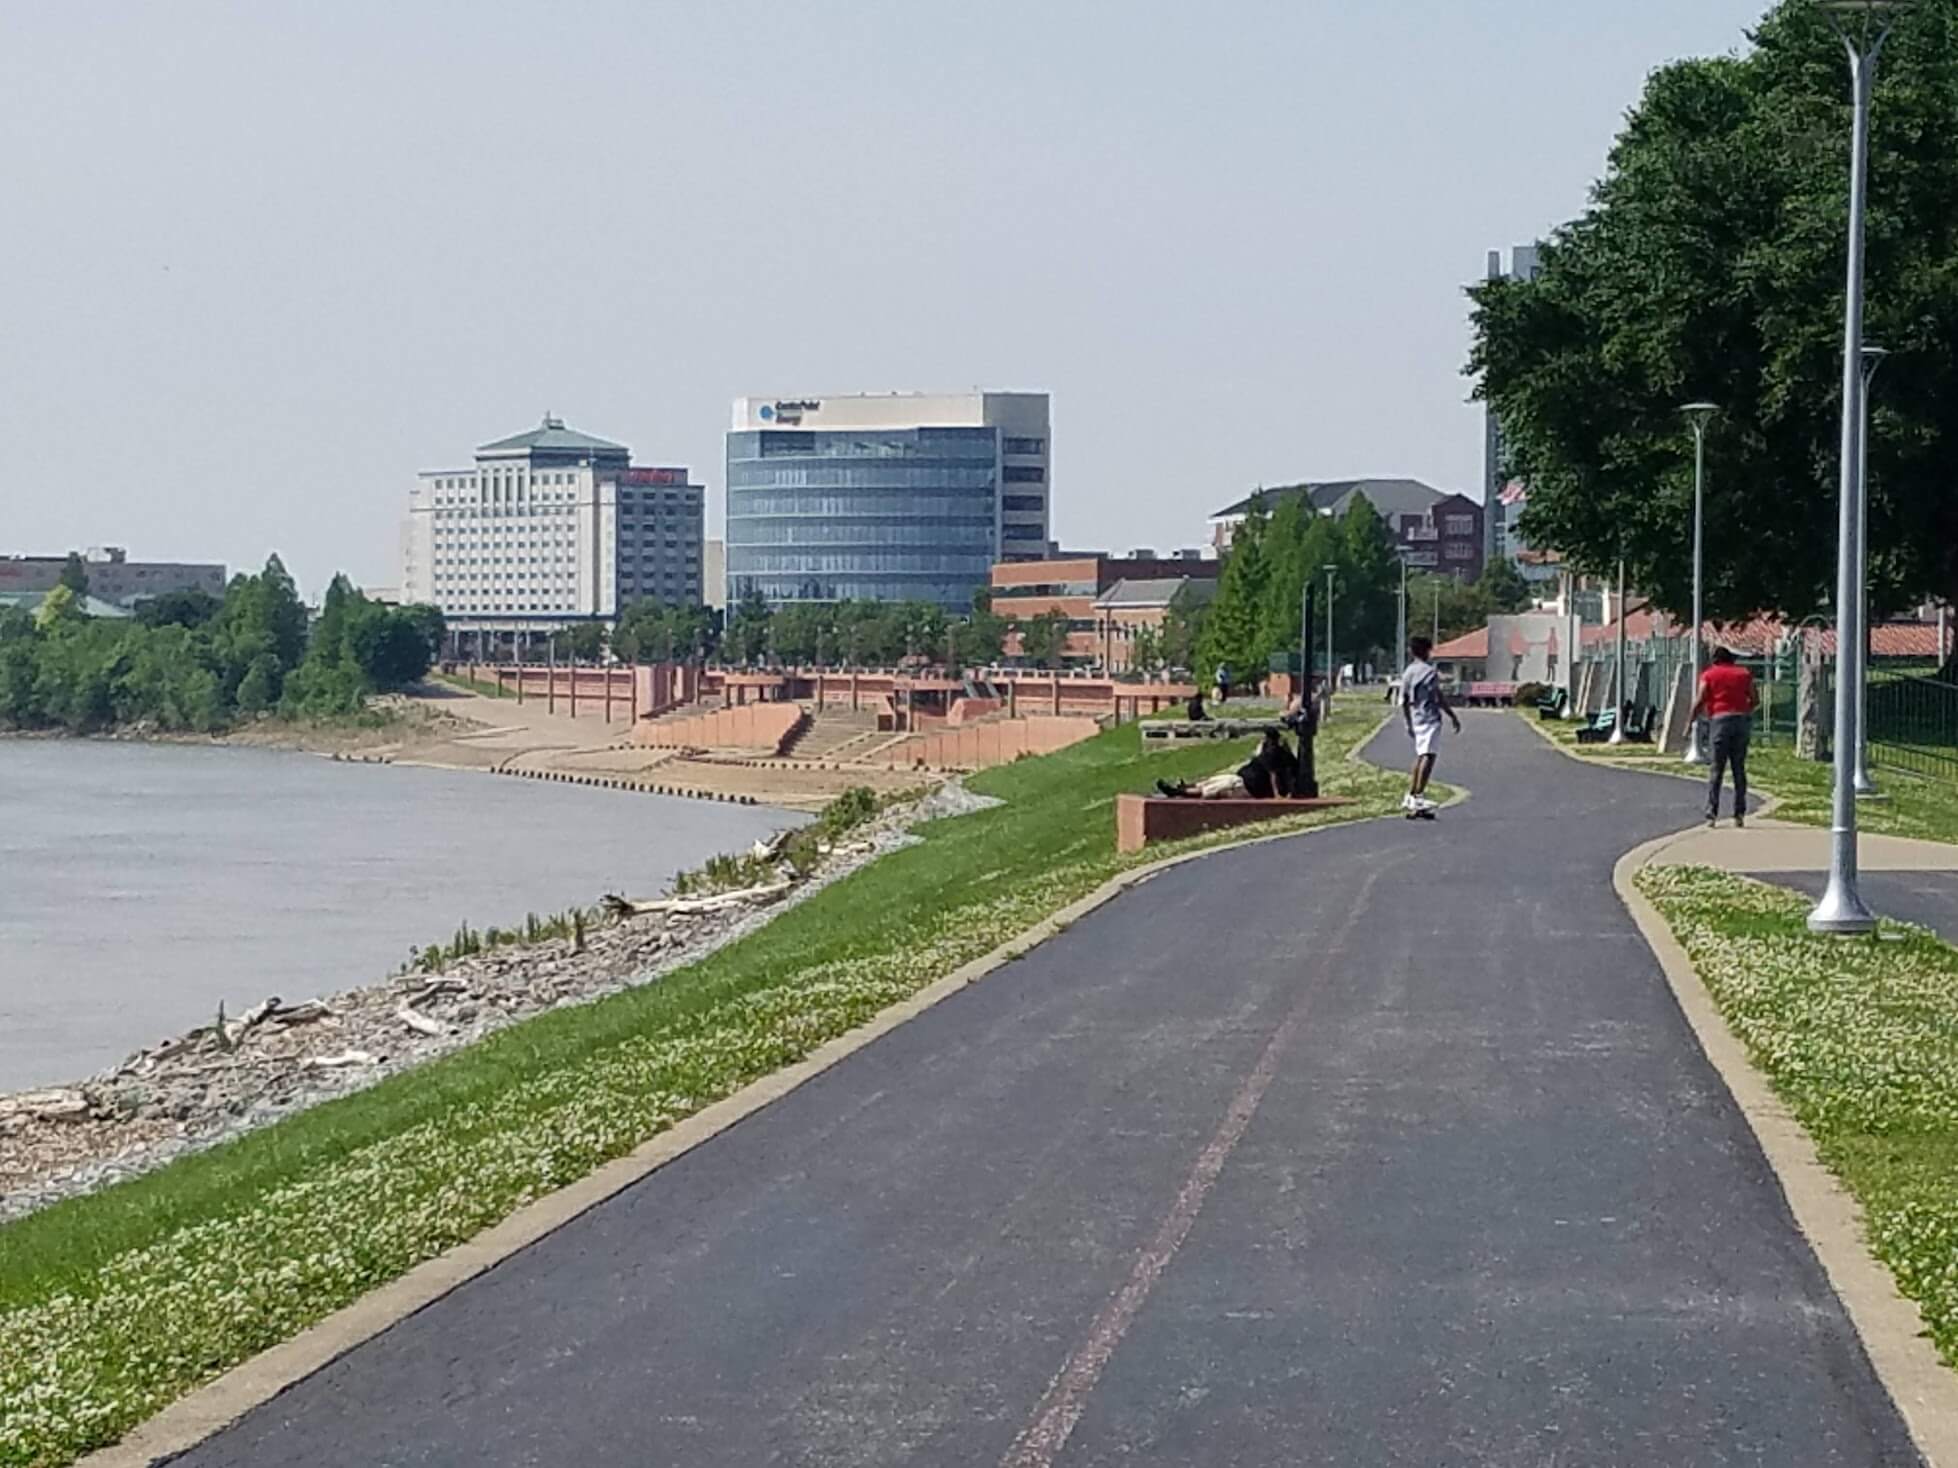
<point>74,574</point>
<point>1232,632</point>
<point>433,626</point>
<point>1709,266</point>
<point>1503,587</point>
<point>191,607</point>
<point>1043,639</point>
<point>981,638</point>
<point>746,639</point>
<point>63,604</point>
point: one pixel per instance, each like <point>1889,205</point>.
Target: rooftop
<point>551,434</point>
<point>1389,496</point>
<point>1156,591</point>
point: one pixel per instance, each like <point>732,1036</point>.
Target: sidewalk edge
<point>211,1408</point>
<point>1892,1332</point>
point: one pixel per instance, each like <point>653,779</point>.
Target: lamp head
<point>1864,22</point>
<point>1699,414</point>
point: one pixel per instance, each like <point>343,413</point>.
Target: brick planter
<point>1143,820</point>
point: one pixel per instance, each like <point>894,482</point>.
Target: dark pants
<point>1729,733</point>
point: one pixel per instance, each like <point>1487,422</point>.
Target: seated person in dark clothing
<point>1259,779</point>
<point>1197,713</point>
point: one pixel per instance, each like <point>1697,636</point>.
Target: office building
<point>1075,585</point>
<point>112,576</point>
<point>1524,261</point>
<point>548,528</point>
<point>1436,531</point>
<point>884,497</point>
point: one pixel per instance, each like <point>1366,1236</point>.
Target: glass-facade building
<point>884,514</point>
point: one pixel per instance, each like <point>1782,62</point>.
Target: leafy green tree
<point>1043,639</point>
<point>1232,632</point>
<point>74,574</point>
<point>431,624</point>
<point>1367,613</point>
<point>980,640</point>
<point>1709,266</point>
<point>191,607</point>
<point>746,639</point>
<point>257,689</point>
<point>63,604</point>
<point>1503,587</point>
<point>389,646</point>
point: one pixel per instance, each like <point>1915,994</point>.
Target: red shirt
<point>1727,688</point>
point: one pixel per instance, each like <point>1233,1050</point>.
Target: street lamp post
<point>1400,628</point>
<point>1863,25</point>
<point>1872,359</point>
<point>1332,668</point>
<point>1697,417</point>
<point>1618,678</point>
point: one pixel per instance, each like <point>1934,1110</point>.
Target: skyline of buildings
<point>112,577</point>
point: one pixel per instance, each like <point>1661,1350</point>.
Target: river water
<point>141,884</point>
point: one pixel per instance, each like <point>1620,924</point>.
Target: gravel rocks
<point>234,1075</point>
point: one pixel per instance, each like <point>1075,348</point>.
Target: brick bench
<point>1143,820</point>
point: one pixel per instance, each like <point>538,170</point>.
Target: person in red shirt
<point>1727,701</point>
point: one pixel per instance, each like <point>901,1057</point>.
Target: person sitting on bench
<point>1259,779</point>
<point>1196,713</point>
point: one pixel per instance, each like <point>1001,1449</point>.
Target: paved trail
<point>1382,1146</point>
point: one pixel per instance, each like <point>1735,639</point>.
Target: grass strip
<point>1913,805</point>
<point>1860,1038</point>
<point>115,1304</point>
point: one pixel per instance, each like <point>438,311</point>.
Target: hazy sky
<point>262,261</point>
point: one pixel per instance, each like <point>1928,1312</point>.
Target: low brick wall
<point>1143,820</point>
<point>763,726</point>
<point>993,742</point>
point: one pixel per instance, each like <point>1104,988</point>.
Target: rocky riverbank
<point>279,1057</point>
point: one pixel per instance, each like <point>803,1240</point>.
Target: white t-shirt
<point>1421,692</point>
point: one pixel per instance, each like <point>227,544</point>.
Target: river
<point>141,884</point>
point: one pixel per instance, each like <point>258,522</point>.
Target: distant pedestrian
<point>1727,700</point>
<point>1422,707</point>
<point>1223,683</point>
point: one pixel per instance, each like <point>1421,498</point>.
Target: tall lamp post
<point>1698,415</point>
<point>1863,25</point>
<point>1872,359</point>
<point>1617,735</point>
<point>1400,627</point>
<point>1332,668</point>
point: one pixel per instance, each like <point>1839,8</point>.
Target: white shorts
<point>1427,737</point>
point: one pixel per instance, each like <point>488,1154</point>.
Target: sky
<point>263,261</point>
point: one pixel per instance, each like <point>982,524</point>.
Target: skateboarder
<point>1423,706</point>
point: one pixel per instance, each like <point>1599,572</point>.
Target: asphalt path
<point>1384,1145</point>
<point>1929,899</point>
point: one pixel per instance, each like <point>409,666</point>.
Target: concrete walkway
<point>1899,877</point>
<point>1385,1145</point>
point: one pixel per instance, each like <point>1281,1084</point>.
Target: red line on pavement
<point>1067,1396</point>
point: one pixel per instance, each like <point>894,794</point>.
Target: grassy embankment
<point>1914,805</point>
<point>1860,1038</point>
<point>113,1305</point>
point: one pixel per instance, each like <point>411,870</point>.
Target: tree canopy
<point>184,665</point>
<point>1710,266</point>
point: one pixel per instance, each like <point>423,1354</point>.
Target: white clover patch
<point>1860,1037</point>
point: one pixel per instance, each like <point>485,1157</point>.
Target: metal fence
<point>1914,724</point>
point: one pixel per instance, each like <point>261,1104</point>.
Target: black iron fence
<point>1914,724</point>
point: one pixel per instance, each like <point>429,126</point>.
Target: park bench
<point>1168,733</point>
<point>1144,820</point>
<point>1553,704</point>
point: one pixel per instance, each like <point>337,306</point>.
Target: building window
<point>1459,551</point>
<point>1023,445</point>
<point>1023,502</point>
<point>1023,474</point>
<point>1461,525</point>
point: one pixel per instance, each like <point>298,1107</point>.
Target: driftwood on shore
<point>617,906</point>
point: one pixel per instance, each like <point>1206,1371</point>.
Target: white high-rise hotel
<point>550,527</point>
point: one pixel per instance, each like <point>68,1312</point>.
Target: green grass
<point>1860,1038</point>
<point>115,1304</point>
<point>1914,805</point>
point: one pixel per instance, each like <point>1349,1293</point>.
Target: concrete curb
<point>1889,1326</point>
<point>216,1405</point>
